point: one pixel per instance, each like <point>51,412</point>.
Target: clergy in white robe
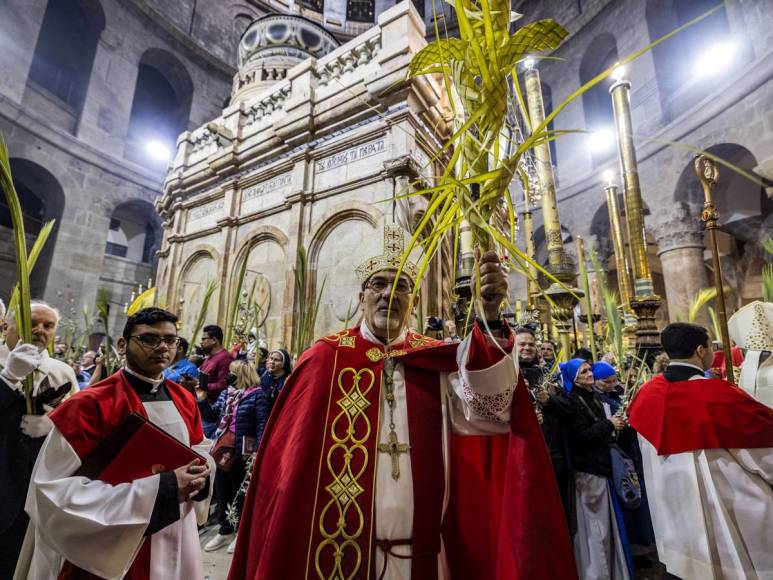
<point>707,450</point>
<point>146,528</point>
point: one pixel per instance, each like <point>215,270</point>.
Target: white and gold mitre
<point>751,327</point>
<point>394,247</point>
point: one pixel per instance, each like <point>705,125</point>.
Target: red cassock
<point>92,414</point>
<point>699,414</point>
<point>309,511</point>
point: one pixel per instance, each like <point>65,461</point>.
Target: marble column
<point>679,235</point>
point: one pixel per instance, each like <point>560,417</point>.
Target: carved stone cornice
<point>403,166</point>
<point>677,228</point>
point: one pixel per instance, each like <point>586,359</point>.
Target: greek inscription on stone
<point>351,155</point>
<point>205,210</point>
<point>278,182</point>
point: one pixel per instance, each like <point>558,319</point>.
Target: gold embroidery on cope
<point>345,487</point>
<point>375,354</point>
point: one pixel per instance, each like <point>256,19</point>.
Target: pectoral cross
<point>394,448</point>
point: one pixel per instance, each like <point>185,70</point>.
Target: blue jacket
<point>180,368</point>
<point>251,416</point>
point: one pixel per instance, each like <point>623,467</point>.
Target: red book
<point>135,449</point>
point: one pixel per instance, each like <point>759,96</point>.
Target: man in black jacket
<point>556,408</point>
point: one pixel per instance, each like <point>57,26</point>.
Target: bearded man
<point>393,455</point>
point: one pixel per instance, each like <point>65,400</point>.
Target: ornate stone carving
<point>359,56</point>
<point>268,105</point>
<point>677,227</point>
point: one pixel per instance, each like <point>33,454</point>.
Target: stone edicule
<point>305,158</point>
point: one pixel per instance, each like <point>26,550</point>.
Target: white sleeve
<point>480,401</point>
<point>202,507</point>
<point>96,526</point>
<point>756,461</point>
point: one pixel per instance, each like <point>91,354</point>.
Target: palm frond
<point>698,302</point>
<point>234,310</point>
<point>103,308</point>
<point>767,282</point>
<point>32,258</point>
<point>209,290</point>
<point>715,327</point>
<point>306,306</point>
<point>478,69</point>
<point>23,310</point>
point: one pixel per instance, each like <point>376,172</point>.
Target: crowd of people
<point>680,473</point>
<point>234,389</point>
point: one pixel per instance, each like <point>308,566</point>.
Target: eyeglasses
<point>153,341</point>
<point>381,284</point>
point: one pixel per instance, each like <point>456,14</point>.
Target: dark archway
<point>135,233</point>
<point>675,59</point>
<point>42,199</point>
<point>64,55</point>
<point>597,103</point>
<point>161,105</point>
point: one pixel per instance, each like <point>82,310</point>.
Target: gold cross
<point>394,449</point>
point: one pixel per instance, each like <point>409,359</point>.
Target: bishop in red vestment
<point>144,529</point>
<point>392,455</point>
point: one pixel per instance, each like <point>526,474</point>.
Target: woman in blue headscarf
<point>599,541</point>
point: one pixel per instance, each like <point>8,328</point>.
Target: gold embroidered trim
<point>420,340</point>
<point>375,354</point>
<point>347,341</point>
<point>345,487</point>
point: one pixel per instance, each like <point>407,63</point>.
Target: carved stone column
<point>680,247</point>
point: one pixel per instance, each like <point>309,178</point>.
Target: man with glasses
<point>213,374</point>
<point>143,529</point>
<point>394,455</point>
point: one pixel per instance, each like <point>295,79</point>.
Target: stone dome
<point>286,34</point>
<point>273,44</point>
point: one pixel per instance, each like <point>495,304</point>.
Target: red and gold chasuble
<point>310,508</point>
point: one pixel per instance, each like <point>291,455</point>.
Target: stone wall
<point>734,113</point>
<point>86,155</point>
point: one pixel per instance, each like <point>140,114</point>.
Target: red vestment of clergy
<point>310,508</point>
<point>89,416</point>
<point>681,416</point>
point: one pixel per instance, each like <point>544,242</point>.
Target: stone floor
<point>216,564</point>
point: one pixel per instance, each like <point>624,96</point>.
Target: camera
<point>434,324</point>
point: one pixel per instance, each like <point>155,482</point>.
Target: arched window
<point>360,10</point>
<point>135,232</point>
<point>680,82</point>
<point>64,53</point>
<point>42,199</point>
<point>596,102</point>
<point>161,106</point>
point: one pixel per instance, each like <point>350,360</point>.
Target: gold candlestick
<point>588,304</point>
<point>560,265</point>
<point>644,301</point>
<point>708,175</point>
<point>618,244</point>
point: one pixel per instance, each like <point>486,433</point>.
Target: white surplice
<point>712,511</point>
<point>474,403</point>
<point>100,527</point>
